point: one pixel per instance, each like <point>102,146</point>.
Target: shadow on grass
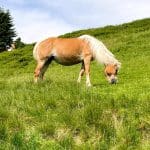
<point>99,85</point>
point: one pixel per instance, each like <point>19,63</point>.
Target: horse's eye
<point>109,74</point>
<point>116,72</point>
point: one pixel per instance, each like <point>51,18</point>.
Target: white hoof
<point>88,85</point>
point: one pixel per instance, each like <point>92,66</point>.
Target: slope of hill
<point>60,114</point>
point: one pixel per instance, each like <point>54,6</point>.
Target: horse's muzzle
<point>113,81</point>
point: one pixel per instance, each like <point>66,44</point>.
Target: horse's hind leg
<point>81,73</point>
<point>41,69</point>
<point>87,70</point>
<point>44,68</point>
<point>38,70</point>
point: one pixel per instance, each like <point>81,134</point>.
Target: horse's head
<point>111,71</point>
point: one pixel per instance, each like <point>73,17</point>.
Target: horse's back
<point>63,47</point>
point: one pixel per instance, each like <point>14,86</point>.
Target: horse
<point>71,51</point>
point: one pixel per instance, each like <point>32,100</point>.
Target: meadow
<point>59,114</point>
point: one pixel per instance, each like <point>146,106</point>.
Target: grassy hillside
<point>60,114</point>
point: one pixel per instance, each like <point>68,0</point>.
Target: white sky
<point>38,19</point>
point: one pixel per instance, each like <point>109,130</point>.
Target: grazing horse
<point>70,51</point>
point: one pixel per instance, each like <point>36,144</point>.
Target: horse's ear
<point>105,65</point>
<point>118,65</point>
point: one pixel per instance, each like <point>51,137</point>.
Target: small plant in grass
<point>3,132</point>
<point>47,130</point>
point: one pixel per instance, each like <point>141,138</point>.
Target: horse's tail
<point>35,51</point>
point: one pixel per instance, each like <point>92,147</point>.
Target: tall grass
<point>59,114</point>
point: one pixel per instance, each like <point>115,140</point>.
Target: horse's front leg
<point>87,70</point>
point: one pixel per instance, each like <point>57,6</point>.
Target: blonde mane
<point>100,52</point>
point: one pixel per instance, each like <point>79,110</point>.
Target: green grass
<point>60,114</point>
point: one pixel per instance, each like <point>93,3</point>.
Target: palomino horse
<point>70,51</point>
